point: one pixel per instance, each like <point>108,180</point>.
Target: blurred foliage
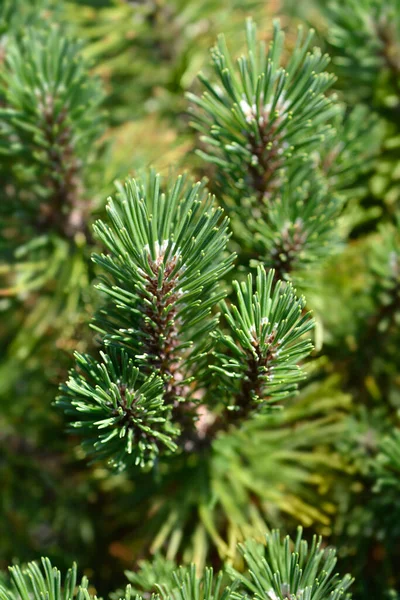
<point>149,53</point>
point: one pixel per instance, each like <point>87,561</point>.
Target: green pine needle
<point>167,254</point>
<point>259,115</point>
<point>44,582</point>
<point>265,343</point>
<point>122,417</point>
<point>292,570</point>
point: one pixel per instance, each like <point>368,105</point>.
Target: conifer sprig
<point>172,377</point>
<point>44,582</point>
<point>274,573</point>
<point>284,569</point>
<point>49,122</point>
<point>265,343</point>
<point>259,115</point>
<point>299,229</point>
<point>187,585</point>
<point>166,257</point>
<point>291,570</point>
<point>268,129</point>
<point>366,35</point>
<point>165,262</point>
<point>38,582</point>
<point>123,417</point>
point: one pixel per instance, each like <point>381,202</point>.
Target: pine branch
<point>285,569</point>
<point>166,258</point>
<point>37,582</point>
<point>268,130</point>
<point>349,152</point>
<point>264,346</point>
<point>49,123</point>
<point>366,35</point>
<point>292,570</point>
<point>122,416</point>
<point>300,574</point>
<point>299,229</point>
<point>274,466</point>
<point>260,116</point>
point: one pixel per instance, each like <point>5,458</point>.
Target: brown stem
<point>253,384</point>
<point>286,252</point>
<point>63,176</point>
<point>266,150</point>
<point>160,332</point>
<point>161,338</point>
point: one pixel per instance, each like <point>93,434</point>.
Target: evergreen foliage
<point>50,128</point>
<point>125,419</point>
<point>286,571</point>
<point>285,152</point>
<point>389,461</point>
<point>220,487</point>
<point>266,341</point>
<point>45,581</point>
<point>260,115</point>
<point>366,34</point>
<point>194,423</point>
<point>50,122</point>
<point>302,572</point>
<point>125,38</point>
<point>166,259</point>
